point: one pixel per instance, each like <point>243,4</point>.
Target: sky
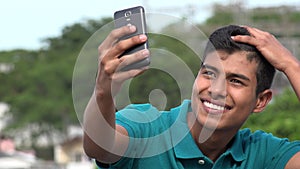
<point>24,24</point>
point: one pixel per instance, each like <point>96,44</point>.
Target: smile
<point>213,106</point>
<point>216,107</point>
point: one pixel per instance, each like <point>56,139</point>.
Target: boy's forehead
<point>217,59</point>
<point>219,55</point>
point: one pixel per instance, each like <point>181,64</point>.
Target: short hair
<point>221,40</point>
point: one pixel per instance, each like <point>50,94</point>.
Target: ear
<point>262,100</point>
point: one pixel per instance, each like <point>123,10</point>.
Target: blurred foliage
<point>38,89</point>
<point>266,17</point>
<point>281,117</point>
<point>294,17</point>
<point>276,14</point>
<point>222,16</point>
<point>37,85</point>
<point>162,79</point>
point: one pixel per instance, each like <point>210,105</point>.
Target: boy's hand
<point>280,57</point>
<point>109,77</point>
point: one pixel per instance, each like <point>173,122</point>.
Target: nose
<point>217,88</point>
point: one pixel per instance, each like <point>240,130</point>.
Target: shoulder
<point>138,113</point>
<point>261,139</point>
<point>257,135</point>
<point>147,120</point>
<point>271,150</point>
<point>145,113</point>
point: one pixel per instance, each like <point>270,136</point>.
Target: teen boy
<point>233,82</point>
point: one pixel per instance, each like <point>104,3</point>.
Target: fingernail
<point>145,53</point>
<point>233,37</point>
<point>143,37</point>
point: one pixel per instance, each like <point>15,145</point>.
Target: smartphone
<point>134,16</point>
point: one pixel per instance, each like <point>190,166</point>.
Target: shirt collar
<point>236,150</point>
<point>186,148</point>
<point>182,140</point>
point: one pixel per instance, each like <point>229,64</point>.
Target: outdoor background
<point>40,42</point>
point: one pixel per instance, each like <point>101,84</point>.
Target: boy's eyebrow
<point>206,66</point>
<point>237,75</point>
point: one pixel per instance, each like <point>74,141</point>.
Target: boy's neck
<point>216,144</point>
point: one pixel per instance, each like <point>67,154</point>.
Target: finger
<point>120,47</point>
<point>115,35</point>
<point>111,66</point>
<point>245,39</point>
<point>262,35</point>
<point>255,32</point>
<point>135,57</point>
<point>120,77</point>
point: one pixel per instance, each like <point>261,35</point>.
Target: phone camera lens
<point>127,14</point>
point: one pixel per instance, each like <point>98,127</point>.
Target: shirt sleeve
<point>284,154</point>
<point>139,121</point>
<point>282,151</point>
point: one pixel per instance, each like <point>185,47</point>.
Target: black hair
<point>220,40</point>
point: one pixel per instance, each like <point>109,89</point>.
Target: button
<point>201,162</point>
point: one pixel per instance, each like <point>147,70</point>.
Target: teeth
<point>213,106</point>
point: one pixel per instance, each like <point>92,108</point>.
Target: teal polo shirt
<point>161,140</point>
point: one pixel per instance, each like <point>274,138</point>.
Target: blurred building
<point>10,158</point>
<point>70,154</point>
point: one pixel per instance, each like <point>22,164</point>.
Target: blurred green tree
<point>38,89</point>
<point>37,85</point>
<point>281,117</point>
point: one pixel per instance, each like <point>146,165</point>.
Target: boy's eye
<point>209,74</point>
<point>236,81</point>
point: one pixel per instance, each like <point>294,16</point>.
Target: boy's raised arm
<point>103,139</point>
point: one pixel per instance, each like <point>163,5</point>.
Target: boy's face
<point>224,92</point>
